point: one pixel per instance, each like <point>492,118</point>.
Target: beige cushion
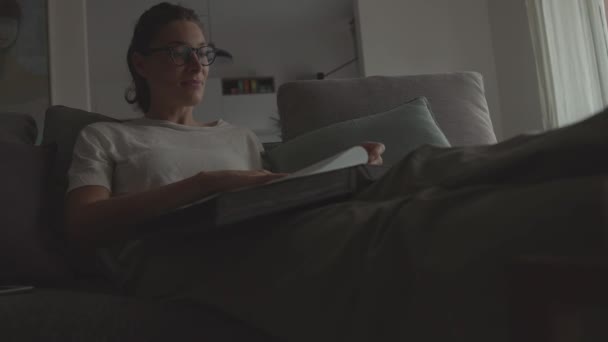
<point>457,100</point>
<point>401,129</point>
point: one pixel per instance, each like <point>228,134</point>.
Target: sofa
<point>75,296</point>
<point>73,300</point>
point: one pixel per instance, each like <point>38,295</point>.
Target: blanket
<point>418,255</point>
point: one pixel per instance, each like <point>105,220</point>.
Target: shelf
<point>248,86</point>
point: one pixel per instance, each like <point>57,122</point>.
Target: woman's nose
<point>194,61</point>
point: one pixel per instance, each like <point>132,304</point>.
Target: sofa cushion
<point>401,129</point>
<point>62,126</point>
<point>18,128</point>
<point>50,315</point>
<point>29,252</point>
<point>458,102</point>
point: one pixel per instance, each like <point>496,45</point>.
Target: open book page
<point>353,156</point>
<point>356,155</point>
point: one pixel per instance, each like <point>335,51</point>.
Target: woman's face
<point>170,84</point>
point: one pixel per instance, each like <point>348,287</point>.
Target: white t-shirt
<point>142,154</point>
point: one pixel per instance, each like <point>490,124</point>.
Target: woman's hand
<point>219,181</point>
<point>95,218</point>
<point>374,150</point>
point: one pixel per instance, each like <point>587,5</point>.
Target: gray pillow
<point>29,252</point>
<point>401,129</point>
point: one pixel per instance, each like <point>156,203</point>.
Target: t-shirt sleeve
<point>256,149</point>
<point>91,163</point>
<point>256,140</point>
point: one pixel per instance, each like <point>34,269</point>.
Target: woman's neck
<point>182,116</point>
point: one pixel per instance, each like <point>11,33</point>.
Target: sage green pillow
<point>401,129</point>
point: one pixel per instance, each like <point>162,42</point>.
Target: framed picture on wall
<point>24,62</point>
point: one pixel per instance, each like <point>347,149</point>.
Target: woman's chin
<point>192,99</point>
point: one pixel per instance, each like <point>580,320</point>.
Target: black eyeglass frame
<point>172,53</point>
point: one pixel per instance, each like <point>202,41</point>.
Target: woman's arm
<point>94,217</point>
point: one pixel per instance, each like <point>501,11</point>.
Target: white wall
<point>286,39</point>
<point>24,67</point>
<point>423,36</point>
<point>517,72</point>
<point>68,63</point>
<point>429,36</point>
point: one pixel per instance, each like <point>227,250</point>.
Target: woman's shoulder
<point>251,136</point>
<point>106,128</point>
<point>241,129</point>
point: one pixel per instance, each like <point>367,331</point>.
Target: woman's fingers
<point>263,176</point>
<point>375,147</point>
<point>376,160</point>
<point>273,176</point>
<point>375,151</point>
<point>270,173</point>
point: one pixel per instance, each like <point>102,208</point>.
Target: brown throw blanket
<point>417,256</point>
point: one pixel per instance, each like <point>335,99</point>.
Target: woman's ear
<point>139,63</point>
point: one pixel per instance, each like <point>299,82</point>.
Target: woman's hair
<point>147,28</point>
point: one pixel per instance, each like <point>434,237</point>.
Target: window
<point>570,41</point>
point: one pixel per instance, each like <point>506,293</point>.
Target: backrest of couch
<point>61,126</point>
<point>457,101</point>
<point>29,251</point>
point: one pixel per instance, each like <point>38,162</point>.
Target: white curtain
<point>571,46</point>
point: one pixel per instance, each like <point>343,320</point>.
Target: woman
<point>169,62</point>
<point>395,262</point>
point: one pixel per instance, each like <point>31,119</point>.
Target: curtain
<point>570,41</point>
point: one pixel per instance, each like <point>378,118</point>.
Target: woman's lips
<point>192,83</point>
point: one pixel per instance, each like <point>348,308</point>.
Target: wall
<point>289,40</point>
<point>457,38</point>
<point>24,68</point>
<point>516,66</point>
<point>286,39</point>
<point>429,36</point>
<point>68,63</point>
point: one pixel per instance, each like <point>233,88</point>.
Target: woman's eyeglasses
<point>181,54</point>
